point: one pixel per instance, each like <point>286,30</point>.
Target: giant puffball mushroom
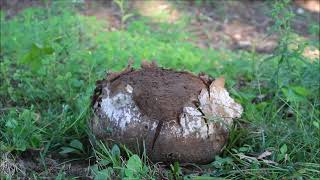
<point>175,115</point>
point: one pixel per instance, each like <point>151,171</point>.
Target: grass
<point>51,58</point>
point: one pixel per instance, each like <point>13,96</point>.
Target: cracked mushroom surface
<point>177,116</point>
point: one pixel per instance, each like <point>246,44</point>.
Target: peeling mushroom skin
<point>192,141</point>
<point>173,147</point>
<point>217,103</point>
<point>193,123</point>
<point>132,105</point>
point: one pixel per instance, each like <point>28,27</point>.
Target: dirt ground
<point>218,25</point>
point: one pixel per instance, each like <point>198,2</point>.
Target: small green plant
<point>112,165</point>
<point>35,54</point>
<point>75,146</point>
<point>108,162</point>
<point>20,131</point>
<point>176,170</point>
<point>122,4</point>
<point>134,168</point>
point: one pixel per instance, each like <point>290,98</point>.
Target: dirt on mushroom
<point>158,92</point>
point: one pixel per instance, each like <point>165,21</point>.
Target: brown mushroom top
<point>161,93</point>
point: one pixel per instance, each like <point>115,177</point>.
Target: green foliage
<point>112,165</point>
<point>134,167</point>
<point>20,131</point>
<point>46,66</point>
<point>285,120</point>
<point>35,54</point>
<point>48,73</point>
<point>176,170</point>
<point>75,146</point>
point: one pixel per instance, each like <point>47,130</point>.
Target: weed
<point>122,4</point>
<point>21,131</point>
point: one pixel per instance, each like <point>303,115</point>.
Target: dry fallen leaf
<point>269,162</point>
<point>264,155</point>
<point>251,159</point>
<point>248,158</point>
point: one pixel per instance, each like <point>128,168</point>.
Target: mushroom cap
<point>195,116</point>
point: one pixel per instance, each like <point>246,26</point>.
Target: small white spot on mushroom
<point>120,109</point>
<point>129,88</point>
<point>154,125</point>
<point>192,111</point>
